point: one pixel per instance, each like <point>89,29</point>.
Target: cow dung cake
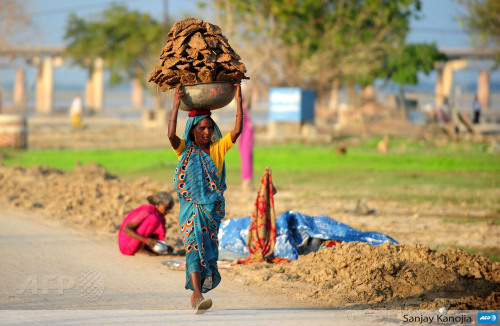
<point>196,52</point>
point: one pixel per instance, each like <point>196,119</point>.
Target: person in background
<point>200,180</point>
<point>246,142</point>
<point>476,110</point>
<point>444,112</point>
<point>144,225</point>
<point>75,111</point>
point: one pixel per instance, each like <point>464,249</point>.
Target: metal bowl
<point>160,247</point>
<point>207,96</point>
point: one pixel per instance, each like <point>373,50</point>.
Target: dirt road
<point>55,275</point>
<point>46,265</point>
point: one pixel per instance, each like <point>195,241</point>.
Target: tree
<point>483,17</point>
<point>323,43</point>
<point>14,19</point>
<point>403,65</point>
<point>128,41</point>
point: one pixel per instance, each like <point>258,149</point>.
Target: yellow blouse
<point>218,150</point>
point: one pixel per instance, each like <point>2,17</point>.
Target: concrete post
<point>98,84</point>
<point>44,86</point>
<point>438,90</point>
<point>89,95</point>
<point>137,94</point>
<point>447,79</point>
<point>483,89</point>
<point>19,95</point>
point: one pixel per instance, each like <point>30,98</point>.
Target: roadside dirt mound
<point>88,197</point>
<point>359,275</point>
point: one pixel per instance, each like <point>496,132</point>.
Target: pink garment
<point>150,224</point>
<point>246,148</point>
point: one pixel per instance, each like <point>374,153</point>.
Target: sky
<point>438,24</point>
<point>50,16</point>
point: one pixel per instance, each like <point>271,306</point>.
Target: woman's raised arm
<point>238,123</point>
<point>172,123</point>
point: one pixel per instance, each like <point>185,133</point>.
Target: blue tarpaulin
<point>292,230</point>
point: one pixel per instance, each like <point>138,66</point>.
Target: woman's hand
<point>150,242</point>
<point>178,94</point>
<point>238,92</point>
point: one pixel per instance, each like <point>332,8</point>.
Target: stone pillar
<point>447,78</point>
<point>19,96</point>
<point>137,94</point>
<point>89,95</point>
<point>438,90</point>
<point>44,86</point>
<point>98,84</point>
<point>483,89</point>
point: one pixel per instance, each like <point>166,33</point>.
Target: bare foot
<point>144,252</point>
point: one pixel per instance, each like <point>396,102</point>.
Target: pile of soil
<point>196,51</point>
<point>87,197</point>
<point>359,275</point>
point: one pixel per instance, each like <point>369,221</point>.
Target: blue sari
<point>200,189</point>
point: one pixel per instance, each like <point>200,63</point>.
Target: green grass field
<point>413,171</point>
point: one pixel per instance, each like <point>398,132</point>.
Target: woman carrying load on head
<point>200,182</point>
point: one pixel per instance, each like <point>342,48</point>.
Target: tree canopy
<point>127,40</point>
<point>483,17</point>
<point>317,43</point>
<point>403,65</point>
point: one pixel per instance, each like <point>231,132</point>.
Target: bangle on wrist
<point>240,115</point>
<point>144,240</point>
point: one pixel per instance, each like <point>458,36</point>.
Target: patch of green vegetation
<point>493,255</point>
<point>115,161</point>
<point>413,171</point>
<point>494,220</point>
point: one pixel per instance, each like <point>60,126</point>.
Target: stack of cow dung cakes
<point>196,52</point>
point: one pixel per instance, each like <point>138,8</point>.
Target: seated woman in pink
<point>144,225</point>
